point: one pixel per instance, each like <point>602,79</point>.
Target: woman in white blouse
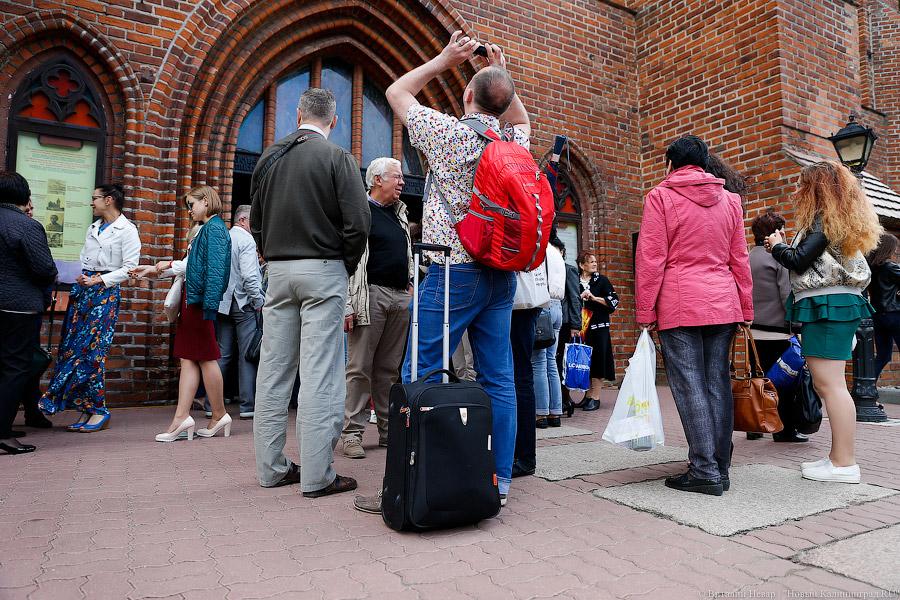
<point>111,249</point>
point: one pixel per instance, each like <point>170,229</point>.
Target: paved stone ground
<point>116,515</point>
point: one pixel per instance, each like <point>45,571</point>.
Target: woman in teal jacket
<point>206,270</point>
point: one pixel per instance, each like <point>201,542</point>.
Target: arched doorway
<point>366,124</point>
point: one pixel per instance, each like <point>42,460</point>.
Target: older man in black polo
<point>377,318</point>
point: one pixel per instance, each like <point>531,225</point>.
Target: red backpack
<point>508,223</point>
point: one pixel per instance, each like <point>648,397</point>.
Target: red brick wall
<point>621,79</point>
<point>883,20</point>
<point>574,64</point>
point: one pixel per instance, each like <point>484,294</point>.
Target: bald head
<point>493,90</point>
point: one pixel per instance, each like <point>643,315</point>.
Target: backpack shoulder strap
<point>429,180</point>
<point>481,129</point>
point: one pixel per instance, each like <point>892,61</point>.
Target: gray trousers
<point>302,328</point>
<point>697,365</point>
<point>374,353</point>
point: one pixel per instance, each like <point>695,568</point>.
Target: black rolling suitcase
<point>440,468</point>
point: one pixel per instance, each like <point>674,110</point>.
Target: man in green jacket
<point>310,219</point>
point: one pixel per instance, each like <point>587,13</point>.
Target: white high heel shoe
<point>224,422</point>
<point>186,425</point>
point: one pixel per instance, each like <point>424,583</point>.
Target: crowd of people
<point>338,255</point>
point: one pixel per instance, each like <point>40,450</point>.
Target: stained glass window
<point>337,76</point>
<point>287,96</point>
<point>250,136</point>
<point>377,125</point>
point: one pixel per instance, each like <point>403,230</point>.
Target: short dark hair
<point>317,104</point>
<point>765,224</point>
<point>14,188</point>
<point>688,150</point>
<point>115,191</point>
<point>494,90</point>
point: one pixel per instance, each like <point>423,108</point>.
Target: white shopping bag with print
<point>636,421</point>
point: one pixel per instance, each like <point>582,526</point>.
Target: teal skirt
<point>829,323</point>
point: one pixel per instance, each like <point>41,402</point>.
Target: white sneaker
<point>829,472</point>
<point>372,417</point>
<point>816,463</point>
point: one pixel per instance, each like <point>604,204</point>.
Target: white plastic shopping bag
<point>636,421</point>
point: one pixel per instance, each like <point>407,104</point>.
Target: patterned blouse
<point>452,151</point>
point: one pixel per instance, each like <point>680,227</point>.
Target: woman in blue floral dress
<point>112,247</point>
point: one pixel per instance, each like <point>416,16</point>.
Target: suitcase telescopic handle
<point>420,247</point>
<point>417,252</point>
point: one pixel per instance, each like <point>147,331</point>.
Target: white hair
<point>241,211</point>
<point>379,167</point>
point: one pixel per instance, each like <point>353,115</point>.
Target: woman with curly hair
<point>837,226</point>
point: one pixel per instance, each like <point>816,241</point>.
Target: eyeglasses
<point>393,176</point>
<point>97,197</point>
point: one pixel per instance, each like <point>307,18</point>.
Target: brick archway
<point>267,40</point>
<point>43,36</point>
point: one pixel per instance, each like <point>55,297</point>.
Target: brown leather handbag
<point>755,398</point>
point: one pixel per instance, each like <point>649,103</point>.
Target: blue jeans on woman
<point>547,389</point>
<point>697,364</point>
<point>481,300</point>
<point>887,333</point>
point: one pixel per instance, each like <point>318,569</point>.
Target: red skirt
<point>195,338</point>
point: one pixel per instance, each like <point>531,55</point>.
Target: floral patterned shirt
<point>452,151</point>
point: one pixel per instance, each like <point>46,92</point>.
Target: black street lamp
<point>853,145</point>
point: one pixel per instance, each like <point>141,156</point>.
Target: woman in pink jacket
<point>693,284</point>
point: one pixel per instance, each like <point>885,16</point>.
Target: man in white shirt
<point>239,310</point>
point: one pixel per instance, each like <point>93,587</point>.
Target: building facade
<point>162,95</point>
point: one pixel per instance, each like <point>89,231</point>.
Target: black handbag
<point>543,331</point>
<point>253,350</point>
<point>807,404</point>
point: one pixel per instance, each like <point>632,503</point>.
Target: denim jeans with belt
<point>481,301</point>
<point>547,389</point>
<point>697,365</point>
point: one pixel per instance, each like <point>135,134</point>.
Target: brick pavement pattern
<point>115,515</point>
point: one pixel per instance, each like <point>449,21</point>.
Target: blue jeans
<point>481,301</point>
<point>887,333</point>
<point>235,333</point>
<point>547,390</point>
<point>697,365</point>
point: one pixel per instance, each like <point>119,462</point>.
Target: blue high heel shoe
<point>77,425</point>
<point>103,424</point>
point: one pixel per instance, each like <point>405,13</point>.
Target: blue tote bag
<point>577,365</point>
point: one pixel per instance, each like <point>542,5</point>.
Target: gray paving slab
<point>887,423</point>
<point>868,557</point>
<point>590,458</point>
<point>787,496</point>
<point>561,432</point>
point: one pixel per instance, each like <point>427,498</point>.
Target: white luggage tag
<point>464,415</point>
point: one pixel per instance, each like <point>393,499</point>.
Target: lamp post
<point>853,145</point>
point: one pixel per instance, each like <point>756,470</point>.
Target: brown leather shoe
<point>340,484</point>
<point>291,477</point>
